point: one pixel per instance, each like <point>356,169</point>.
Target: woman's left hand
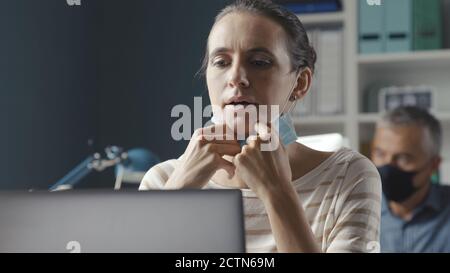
<point>266,171</point>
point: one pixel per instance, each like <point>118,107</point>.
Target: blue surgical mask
<point>286,127</point>
<point>287,131</point>
<point>284,122</point>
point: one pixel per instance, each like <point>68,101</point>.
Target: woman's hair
<point>301,53</point>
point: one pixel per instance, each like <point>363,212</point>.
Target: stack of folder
<point>400,25</point>
<point>427,24</point>
<point>326,96</point>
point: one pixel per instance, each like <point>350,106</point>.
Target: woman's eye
<point>220,63</point>
<point>261,63</point>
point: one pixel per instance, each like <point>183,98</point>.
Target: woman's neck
<point>304,159</point>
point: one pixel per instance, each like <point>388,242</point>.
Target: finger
<point>270,139</point>
<point>253,141</point>
<point>213,140</point>
<point>227,166</point>
<point>218,138</point>
<point>264,131</point>
<point>252,138</point>
<point>217,132</point>
<point>216,129</point>
<point>225,149</point>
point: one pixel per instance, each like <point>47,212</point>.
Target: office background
<point>109,71</point>
<point>74,79</point>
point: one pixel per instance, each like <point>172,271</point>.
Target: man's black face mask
<point>397,184</point>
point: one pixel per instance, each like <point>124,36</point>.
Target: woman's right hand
<point>203,157</point>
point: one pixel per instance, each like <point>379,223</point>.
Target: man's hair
<point>410,115</point>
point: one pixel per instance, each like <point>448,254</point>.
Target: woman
<point>295,199</point>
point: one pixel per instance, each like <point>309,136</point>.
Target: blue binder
<point>371,25</point>
<point>313,7</point>
<point>398,28</point>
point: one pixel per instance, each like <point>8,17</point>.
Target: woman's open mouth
<point>238,106</point>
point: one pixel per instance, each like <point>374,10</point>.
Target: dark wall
<point>108,70</point>
<point>151,51</point>
<point>49,89</point>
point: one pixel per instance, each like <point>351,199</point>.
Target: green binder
<point>427,24</point>
<point>371,27</point>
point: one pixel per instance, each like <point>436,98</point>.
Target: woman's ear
<point>303,83</point>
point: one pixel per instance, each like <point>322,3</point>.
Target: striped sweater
<point>341,198</point>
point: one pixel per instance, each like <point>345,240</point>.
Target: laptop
<point>167,221</point>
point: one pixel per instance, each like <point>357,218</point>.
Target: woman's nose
<point>238,77</point>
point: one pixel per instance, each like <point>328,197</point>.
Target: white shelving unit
<point>362,71</point>
<point>345,123</point>
<point>434,58</point>
<point>321,120</point>
<point>444,117</point>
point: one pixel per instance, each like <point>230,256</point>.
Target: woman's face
<point>248,65</point>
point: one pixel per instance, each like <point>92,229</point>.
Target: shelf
<point>326,18</point>
<point>444,117</point>
<point>368,118</point>
<point>407,60</point>
<point>319,120</point>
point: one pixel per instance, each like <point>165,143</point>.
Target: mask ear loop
<point>293,104</point>
<point>288,99</point>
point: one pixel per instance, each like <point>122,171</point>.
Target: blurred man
<point>415,214</point>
